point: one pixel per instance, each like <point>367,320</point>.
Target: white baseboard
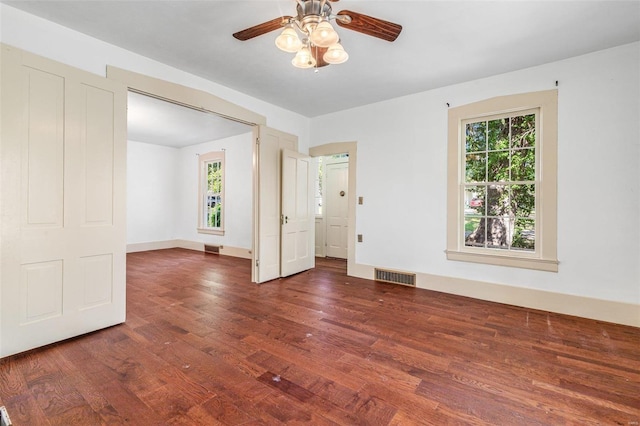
<point>153,245</point>
<point>189,245</point>
<point>235,252</point>
<point>580,306</point>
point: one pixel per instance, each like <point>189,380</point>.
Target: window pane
<point>476,137</point>
<point>523,200</point>
<point>498,166</point>
<point>214,176</point>
<point>498,200</point>
<point>213,211</point>
<point>213,202</point>
<point>523,131</point>
<point>474,200</point>
<point>475,167</point>
<point>498,232</point>
<point>474,231</point>
<point>524,237</point>
<point>523,165</point>
<point>499,134</point>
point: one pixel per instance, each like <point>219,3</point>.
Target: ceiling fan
<point>320,43</point>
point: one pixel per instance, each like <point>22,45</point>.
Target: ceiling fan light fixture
<point>335,54</point>
<point>304,58</point>
<point>288,40</point>
<point>323,35</point>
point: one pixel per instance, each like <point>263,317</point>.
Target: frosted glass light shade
<point>324,35</point>
<point>288,40</point>
<point>304,59</point>
<point>335,54</point>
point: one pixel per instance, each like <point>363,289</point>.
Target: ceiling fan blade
<point>265,27</point>
<point>318,54</point>
<point>368,25</point>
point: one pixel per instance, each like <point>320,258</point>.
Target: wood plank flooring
<point>204,346</point>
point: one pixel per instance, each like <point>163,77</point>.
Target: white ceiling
<point>159,122</point>
<point>442,42</point>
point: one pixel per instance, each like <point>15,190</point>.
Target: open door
<point>267,193</point>
<point>297,216</point>
<point>63,189</point>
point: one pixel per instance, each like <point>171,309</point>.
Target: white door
<point>337,209</point>
<point>297,217</point>
<point>269,145</point>
<point>63,159</point>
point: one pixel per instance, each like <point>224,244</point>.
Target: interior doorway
<point>165,142</point>
<point>332,214</point>
<point>349,152</point>
<point>264,165</point>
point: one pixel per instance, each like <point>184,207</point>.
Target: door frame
<point>351,149</point>
<point>198,100</point>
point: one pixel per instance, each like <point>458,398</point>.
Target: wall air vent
<point>395,277</point>
<point>211,249</point>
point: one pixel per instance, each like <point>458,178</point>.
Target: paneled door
<point>297,216</point>
<point>337,209</point>
<point>269,146</point>
<point>62,194</point>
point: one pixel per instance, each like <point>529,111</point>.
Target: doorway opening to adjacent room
<point>341,159</point>
<point>331,205</point>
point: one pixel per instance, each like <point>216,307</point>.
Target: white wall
<point>62,44</point>
<point>152,187</point>
<point>401,172</point>
<point>162,192</point>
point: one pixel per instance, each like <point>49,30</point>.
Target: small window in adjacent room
<point>211,193</point>
<point>502,181</point>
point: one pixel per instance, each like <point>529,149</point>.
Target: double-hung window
<point>211,193</point>
<point>502,181</point>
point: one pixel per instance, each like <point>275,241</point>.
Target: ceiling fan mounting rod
<point>311,13</point>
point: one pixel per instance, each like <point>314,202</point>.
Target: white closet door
<point>62,195</point>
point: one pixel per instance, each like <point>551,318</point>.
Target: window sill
<point>548,265</point>
<point>210,231</point>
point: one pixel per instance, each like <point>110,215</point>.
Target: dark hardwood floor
<point>204,346</point>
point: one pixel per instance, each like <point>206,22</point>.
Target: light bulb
<point>288,40</point>
<point>335,54</point>
<point>304,59</point>
<point>323,35</point>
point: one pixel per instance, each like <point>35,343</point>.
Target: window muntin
<point>500,182</point>
<point>211,193</point>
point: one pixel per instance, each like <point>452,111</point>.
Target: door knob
<point>342,193</point>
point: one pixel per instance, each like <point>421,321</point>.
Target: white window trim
<point>202,177</point>
<point>545,256</point>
